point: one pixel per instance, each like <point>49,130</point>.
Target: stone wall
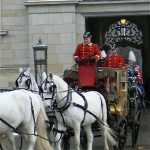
<point>14,46</point>
<point>58,25</point>
<point>14,49</point>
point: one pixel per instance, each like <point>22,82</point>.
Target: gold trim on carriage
<point>117,95</point>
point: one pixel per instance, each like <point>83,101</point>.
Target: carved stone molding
<point>50,2</point>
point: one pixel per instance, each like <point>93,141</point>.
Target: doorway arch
<point>123,30</point>
<point>126,34</point>
<point>98,26</point>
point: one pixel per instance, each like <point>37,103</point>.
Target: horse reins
<point>20,132</point>
<point>66,106</point>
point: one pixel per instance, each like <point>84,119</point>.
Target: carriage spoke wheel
<point>136,123</point>
<point>121,133</point>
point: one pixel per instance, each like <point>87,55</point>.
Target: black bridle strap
<point>68,101</point>
<point>28,79</point>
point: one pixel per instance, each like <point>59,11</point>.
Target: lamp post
<point>40,60</point>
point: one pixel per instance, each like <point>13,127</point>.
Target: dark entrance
<point>99,26</point>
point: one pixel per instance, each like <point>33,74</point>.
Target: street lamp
<point>40,60</point>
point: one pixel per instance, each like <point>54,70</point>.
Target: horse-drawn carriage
<point>123,100</point>
<point>123,104</point>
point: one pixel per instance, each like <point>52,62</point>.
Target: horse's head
<point>24,79</point>
<point>48,85</point>
<point>53,82</point>
<point>48,89</point>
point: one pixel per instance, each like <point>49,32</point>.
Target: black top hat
<point>87,35</point>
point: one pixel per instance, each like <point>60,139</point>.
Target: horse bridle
<point>53,90</point>
<point>27,82</point>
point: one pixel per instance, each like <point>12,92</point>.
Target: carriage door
<point>127,36</point>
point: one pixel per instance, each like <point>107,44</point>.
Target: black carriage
<point>123,102</point>
<point>135,98</point>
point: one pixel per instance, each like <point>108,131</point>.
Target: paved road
<point>142,144</point>
<point>144,135</point>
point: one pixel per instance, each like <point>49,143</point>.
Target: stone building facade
<point>60,24</point>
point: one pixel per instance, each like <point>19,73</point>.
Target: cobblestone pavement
<point>142,144</point>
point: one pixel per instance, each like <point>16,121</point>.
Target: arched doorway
<point>127,36</point>
<point>98,26</point>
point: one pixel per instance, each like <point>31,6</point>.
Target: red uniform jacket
<point>114,60</point>
<point>86,75</point>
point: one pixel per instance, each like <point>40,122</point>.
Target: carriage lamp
<point>40,60</point>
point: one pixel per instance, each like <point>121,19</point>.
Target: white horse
<point>72,111</point>
<point>26,80</point>
<point>23,110</point>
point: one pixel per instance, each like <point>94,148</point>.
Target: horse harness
<point>15,129</point>
<point>69,102</point>
<point>20,132</point>
<point>27,82</point>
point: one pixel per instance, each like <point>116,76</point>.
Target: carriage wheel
<point>136,122</point>
<point>122,133</point>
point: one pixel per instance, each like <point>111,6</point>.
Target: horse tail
<point>108,133</point>
<point>42,142</point>
<point>102,121</point>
